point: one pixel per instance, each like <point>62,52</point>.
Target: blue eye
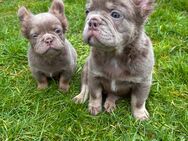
<point>115,14</point>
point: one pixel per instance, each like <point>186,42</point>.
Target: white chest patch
<point>113,85</point>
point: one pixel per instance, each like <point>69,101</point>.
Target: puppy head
<point>45,31</point>
<point>111,24</point>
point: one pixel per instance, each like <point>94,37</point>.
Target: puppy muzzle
<point>48,39</point>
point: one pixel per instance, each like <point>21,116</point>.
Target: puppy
<point>121,58</point>
<point>50,54</point>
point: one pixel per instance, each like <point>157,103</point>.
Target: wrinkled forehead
<point>45,21</point>
<point>108,4</point>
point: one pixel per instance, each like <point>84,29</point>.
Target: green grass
<point>28,114</point>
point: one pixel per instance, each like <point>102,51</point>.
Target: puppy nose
<point>48,40</point>
<point>94,23</point>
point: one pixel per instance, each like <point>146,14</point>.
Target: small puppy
<point>121,58</point>
<point>50,54</point>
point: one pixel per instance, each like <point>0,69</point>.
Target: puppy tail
<point>83,96</point>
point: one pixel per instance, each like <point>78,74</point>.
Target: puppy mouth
<point>95,38</point>
<point>54,46</point>
<point>49,49</point>
<point>92,34</point>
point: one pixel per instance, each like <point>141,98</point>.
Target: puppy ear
<point>57,9</point>
<point>145,7</point>
<point>24,16</point>
<point>23,13</point>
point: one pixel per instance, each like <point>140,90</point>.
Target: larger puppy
<point>50,54</point>
<point>121,58</point>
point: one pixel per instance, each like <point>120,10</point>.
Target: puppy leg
<point>110,104</point>
<point>95,101</point>
<point>83,96</point>
<point>138,99</point>
<point>64,80</point>
<point>95,94</point>
<point>41,80</point>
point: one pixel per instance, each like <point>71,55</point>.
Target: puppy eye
<point>34,35</point>
<point>57,30</point>
<point>115,14</point>
<point>87,12</point>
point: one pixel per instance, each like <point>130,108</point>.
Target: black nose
<point>93,24</point>
<point>48,40</point>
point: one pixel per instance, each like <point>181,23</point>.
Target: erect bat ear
<point>24,16</point>
<point>57,9</point>
<point>145,7</point>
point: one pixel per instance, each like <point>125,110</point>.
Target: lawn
<point>29,114</point>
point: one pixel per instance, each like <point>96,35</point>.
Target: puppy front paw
<point>79,99</point>
<point>109,106</point>
<point>64,86</point>
<point>42,85</point>
<point>94,110</point>
<point>83,96</point>
<point>141,114</point>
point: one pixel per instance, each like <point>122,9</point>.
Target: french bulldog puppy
<point>50,54</point>
<point>121,58</point>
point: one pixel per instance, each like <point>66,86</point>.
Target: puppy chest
<point>49,69</point>
<point>114,86</point>
<point>114,70</point>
